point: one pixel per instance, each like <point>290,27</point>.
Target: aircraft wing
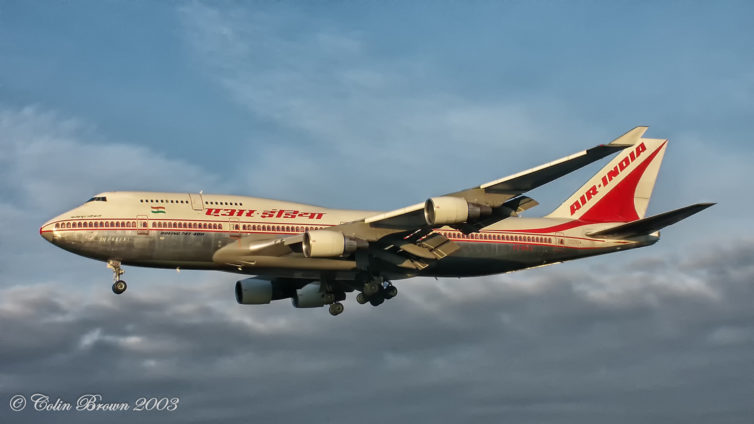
<point>404,237</point>
<point>495,194</point>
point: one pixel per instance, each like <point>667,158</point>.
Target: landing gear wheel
<point>362,298</point>
<point>336,309</point>
<point>377,301</point>
<point>391,292</point>
<point>371,288</point>
<point>119,287</point>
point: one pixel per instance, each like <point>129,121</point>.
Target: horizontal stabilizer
<point>649,225</point>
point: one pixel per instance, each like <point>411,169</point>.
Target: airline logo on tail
<point>620,191</point>
<point>607,178</point>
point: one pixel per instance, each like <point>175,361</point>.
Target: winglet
<point>630,138</point>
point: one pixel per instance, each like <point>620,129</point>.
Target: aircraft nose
<point>46,231</point>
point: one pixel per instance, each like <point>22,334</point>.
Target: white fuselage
<point>185,230</point>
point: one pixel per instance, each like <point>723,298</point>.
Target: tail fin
<point>620,191</point>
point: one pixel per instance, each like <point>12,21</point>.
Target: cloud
<point>543,345</point>
<point>358,129</point>
<point>344,115</point>
<point>50,163</point>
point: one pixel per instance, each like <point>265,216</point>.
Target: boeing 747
<point>315,256</point>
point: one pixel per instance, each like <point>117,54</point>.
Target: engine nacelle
<point>252,291</point>
<point>453,210</point>
<point>309,296</point>
<point>329,244</point>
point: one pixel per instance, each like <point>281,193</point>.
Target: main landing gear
<point>376,291</point>
<point>119,286</point>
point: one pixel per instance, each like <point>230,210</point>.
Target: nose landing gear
<point>119,286</point>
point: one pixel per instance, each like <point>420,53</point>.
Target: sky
<point>378,105</point>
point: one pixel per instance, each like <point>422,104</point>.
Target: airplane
<point>314,255</point>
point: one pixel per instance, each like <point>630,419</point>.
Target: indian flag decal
<point>158,209</point>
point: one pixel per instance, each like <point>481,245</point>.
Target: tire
<point>371,288</point>
<point>336,309</point>
<point>119,287</point>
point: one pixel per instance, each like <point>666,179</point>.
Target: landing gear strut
<point>333,297</point>
<point>119,286</point>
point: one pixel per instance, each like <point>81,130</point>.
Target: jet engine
<point>252,291</point>
<point>257,291</point>
<point>453,210</point>
<point>328,244</point>
<point>310,296</point>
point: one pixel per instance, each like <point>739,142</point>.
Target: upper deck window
<point>97,199</point>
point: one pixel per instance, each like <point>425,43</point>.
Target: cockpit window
<point>97,199</point>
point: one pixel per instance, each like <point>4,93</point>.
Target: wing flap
<point>433,247</point>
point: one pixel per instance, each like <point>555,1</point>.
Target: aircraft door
<point>142,225</point>
<point>234,228</point>
<point>196,201</point>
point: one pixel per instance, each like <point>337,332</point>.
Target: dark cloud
<point>666,342</point>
